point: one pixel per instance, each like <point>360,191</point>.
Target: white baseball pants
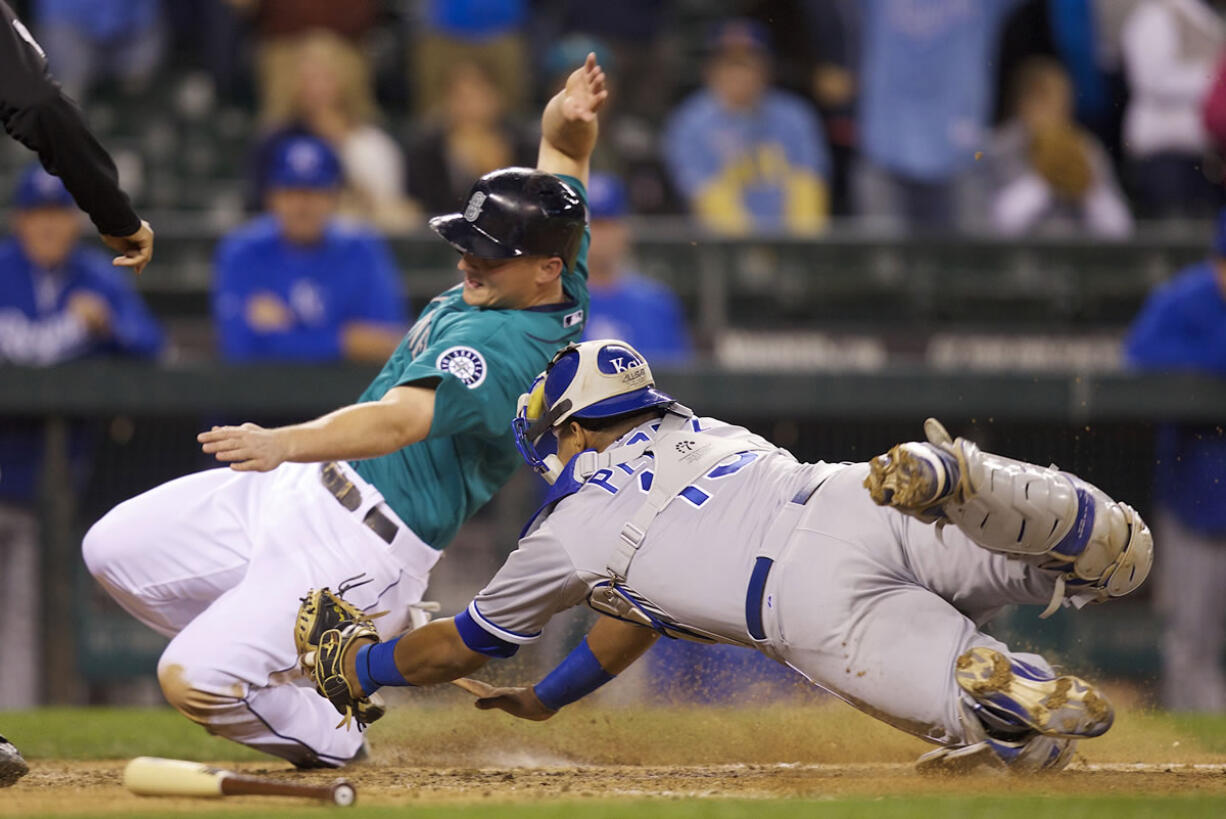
<point>873,606</point>
<point>218,561</point>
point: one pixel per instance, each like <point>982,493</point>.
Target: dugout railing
<point>133,426</point>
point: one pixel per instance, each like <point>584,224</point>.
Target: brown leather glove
<point>1060,154</point>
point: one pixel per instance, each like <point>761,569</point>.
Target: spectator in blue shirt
<point>926,95</point>
<point>58,301</point>
<point>626,304</point>
<point>89,39</point>
<point>1183,328</point>
<point>748,157</point>
<point>297,283</point>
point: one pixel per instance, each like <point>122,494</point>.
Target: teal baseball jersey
<point>481,361</point>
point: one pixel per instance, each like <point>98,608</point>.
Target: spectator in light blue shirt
<point>626,304</point>
<point>748,157</point>
<point>89,39</point>
<point>926,84</point>
<point>298,284</point>
<point>59,301</point>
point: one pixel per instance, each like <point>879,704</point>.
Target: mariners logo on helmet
<point>464,363</point>
<point>474,206</point>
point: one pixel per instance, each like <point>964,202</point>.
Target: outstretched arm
<point>610,648</point>
<point>569,125</point>
<point>402,417</point>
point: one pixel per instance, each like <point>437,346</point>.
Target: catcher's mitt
<point>323,610</point>
<point>325,663</point>
<point>321,618</point>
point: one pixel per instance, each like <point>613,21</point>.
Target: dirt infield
<point>453,754</point>
<point>77,787</point>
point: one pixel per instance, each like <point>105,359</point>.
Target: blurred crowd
<point>1006,116</point>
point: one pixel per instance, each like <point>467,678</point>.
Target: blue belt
<point>756,592</point>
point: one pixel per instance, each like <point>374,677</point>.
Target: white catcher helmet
<point>593,379</point>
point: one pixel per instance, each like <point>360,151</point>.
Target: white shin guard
<point>1101,548</point>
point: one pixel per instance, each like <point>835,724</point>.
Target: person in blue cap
<point>626,304</point>
<point>298,284</point>
<point>59,301</point>
<point>1182,328</point>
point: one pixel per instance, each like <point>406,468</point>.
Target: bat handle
<point>339,792</point>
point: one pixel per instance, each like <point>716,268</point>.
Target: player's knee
<point>96,548</point>
<point>195,696</point>
<point>108,544</point>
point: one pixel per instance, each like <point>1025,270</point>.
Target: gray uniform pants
<point>19,611</point>
<point>1191,574</point>
<point>873,606</point>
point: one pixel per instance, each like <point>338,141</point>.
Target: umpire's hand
<point>135,250</point>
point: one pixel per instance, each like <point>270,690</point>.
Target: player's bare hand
<point>518,702</point>
<point>136,250</point>
<point>92,311</point>
<point>585,91</point>
<point>247,448</point>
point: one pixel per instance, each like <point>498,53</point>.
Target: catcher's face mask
<point>594,379</point>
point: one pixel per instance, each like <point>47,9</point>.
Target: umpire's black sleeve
<point>38,115</point>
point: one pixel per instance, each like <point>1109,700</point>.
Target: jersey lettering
<point>601,479</point>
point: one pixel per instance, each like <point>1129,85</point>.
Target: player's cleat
<point>1062,706</point>
<point>325,663</point>
<point>1035,754</point>
<point>12,766</point>
<point>314,763</point>
<point>913,478</point>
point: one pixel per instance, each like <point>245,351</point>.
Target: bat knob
<point>343,793</point>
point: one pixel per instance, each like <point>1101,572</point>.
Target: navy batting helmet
<point>517,212</point>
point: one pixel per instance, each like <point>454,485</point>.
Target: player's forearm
<point>574,138</point>
<point>432,654</point>
<point>609,648</point>
<point>436,654</point>
<point>355,432</point>
<point>616,644</point>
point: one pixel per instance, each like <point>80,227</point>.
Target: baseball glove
<point>325,663</point>
<point>1059,154</point>
<point>322,616</point>
<point>323,610</point>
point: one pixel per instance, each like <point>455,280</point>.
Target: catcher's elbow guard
<point>1100,547</point>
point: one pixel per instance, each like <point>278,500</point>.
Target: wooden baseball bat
<point>153,776</point>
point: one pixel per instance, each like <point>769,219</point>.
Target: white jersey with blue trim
<point>691,571</point>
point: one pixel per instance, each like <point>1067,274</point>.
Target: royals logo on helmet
<point>464,363</point>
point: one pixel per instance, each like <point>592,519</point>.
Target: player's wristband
<point>578,675</point>
<point>376,666</point>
